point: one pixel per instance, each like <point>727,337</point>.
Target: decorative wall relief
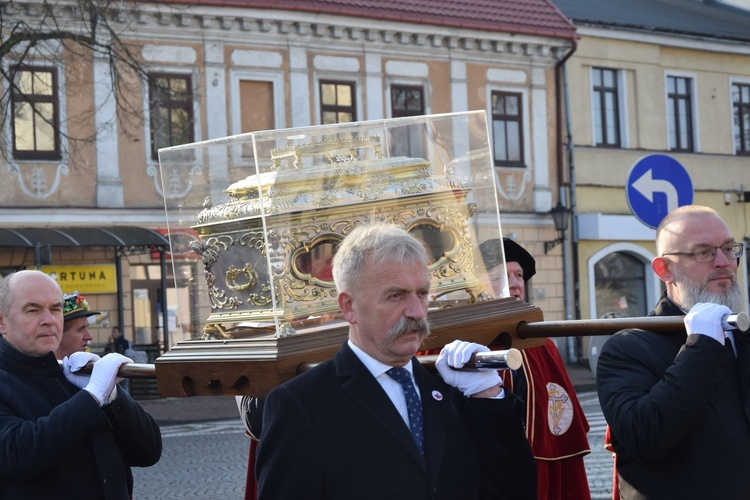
<point>179,180</point>
<point>511,183</point>
<point>35,181</point>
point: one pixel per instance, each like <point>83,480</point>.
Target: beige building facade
<point>218,70</point>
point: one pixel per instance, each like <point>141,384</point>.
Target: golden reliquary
<point>308,211</point>
<point>269,212</point>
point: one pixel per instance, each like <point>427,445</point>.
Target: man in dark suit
<point>342,429</point>
<point>63,434</point>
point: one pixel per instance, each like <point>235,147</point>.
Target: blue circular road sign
<point>657,184</point>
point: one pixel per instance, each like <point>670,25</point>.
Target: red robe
<point>251,483</point>
<point>556,426</point>
<point>615,479</point>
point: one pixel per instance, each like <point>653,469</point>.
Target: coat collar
<point>665,307</point>
<point>20,362</point>
<point>361,386</point>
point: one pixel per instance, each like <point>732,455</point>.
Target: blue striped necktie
<point>413,404</point>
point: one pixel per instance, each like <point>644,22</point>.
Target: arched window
<point>620,284</point>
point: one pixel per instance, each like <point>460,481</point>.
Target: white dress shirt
<point>394,390</point>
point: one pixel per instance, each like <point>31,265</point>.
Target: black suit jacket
<point>333,433</point>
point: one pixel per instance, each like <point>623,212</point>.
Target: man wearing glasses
<point>678,403</point>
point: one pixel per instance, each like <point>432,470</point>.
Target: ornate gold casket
<point>269,210</point>
<point>309,209</point>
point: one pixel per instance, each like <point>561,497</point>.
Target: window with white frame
<point>171,110</point>
<point>337,104</point>
<point>407,100</point>
<point>35,113</point>
<point>680,113</point>
<point>606,107</point>
<point>741,108</point>
<point>507,129</point>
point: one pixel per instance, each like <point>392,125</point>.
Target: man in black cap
<point>76,335</point>
<point>520,266</point>
<point>556,426</point>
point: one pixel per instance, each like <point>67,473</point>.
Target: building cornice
<point>233,25</point>
<point>46,217</point>
<point>664,40</point>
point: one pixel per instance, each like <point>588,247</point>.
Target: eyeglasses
<point>708,254</point>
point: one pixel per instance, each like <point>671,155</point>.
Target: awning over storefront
<point>113,236</point>
<point>124,238</point>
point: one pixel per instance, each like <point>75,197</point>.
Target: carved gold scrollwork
<point>250,275</point>
<point>261,299</point>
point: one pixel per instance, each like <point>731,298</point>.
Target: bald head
<point>6,285</point>
<point>31,312</point>
<point>674,228</point>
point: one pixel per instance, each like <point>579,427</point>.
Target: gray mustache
<point>408,325</point>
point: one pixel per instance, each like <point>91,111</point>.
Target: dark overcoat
<point>678,407</point>
<point>55,440</point>
<point>332,433</point>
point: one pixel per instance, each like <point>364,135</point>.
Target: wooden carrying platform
<point>256,364</point>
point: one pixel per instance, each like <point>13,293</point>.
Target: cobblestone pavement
<point>204,454</point>
<point>206,459</point>
<point>200,461</point>
<point>170,411</point>
<point>599,463</point>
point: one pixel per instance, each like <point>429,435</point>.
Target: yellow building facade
<point>635,92</point>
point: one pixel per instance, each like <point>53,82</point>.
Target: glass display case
<point>266,211</point>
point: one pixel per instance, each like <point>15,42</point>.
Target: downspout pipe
<point>163,299</point>
<point>562,102</point>
<point>120,301</point>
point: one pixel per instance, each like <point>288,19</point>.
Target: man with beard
<point>677,405</point>
<point>372,423</point>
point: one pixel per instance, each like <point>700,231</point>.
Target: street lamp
<point>560,217</point>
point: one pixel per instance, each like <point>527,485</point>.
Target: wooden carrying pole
<point>255,365</point>
<point>508,359</point>
<point>586,327</point>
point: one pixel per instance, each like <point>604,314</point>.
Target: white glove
<point>104,376</point>
<point>456,355</point>
<point>74,363</point>
<point>706,319</point>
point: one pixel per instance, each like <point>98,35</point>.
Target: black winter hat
<point>514,252</point>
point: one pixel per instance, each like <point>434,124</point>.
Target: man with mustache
<point>353,427</point>
<point>677,404</point>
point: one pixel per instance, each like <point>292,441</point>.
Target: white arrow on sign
<point>647,186</point>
